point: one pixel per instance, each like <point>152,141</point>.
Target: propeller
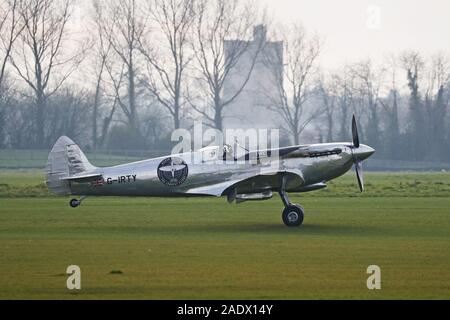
<point>359,175</point>
<point>355,133</point>
<point>356,161</point>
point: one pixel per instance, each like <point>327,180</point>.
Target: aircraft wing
<point>83,177</point>
<point>250,183</point>
<point>213,189</point>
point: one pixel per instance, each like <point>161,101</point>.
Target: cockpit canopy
<point>212,153</point>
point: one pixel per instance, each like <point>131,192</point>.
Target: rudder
<point>64,160</point>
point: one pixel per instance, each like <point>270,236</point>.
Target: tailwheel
<point>293,215</point>
<point>74,203</point>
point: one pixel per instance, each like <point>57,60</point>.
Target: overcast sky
<point>353,29</point>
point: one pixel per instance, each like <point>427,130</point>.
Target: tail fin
<point>65,159</point>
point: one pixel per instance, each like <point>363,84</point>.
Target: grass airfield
<point>204,248</point>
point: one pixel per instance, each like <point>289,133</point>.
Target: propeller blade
<point>359,175</point>
<point>355,133</point>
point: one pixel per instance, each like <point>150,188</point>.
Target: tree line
<point>131,71</point>
<point>401,105</point>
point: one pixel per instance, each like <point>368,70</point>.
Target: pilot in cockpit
<point>227,152</point>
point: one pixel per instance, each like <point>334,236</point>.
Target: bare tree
<point>368,84</point>
<point>436,103</point>
<point>102,51</point>
<point>166,52</point>
<point>390,104</point>
<point>67,113</point>
<point>344,81</point>
<point>39,58</point>
<point>413,64</point>
<point>123,25</point>
<point>220,43</point>
<point>328,91</point>
<point>10,28</point>
<point>296,80</point>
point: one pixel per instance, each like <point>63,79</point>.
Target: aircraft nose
<point>363,152</point>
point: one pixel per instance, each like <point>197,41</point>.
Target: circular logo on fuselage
<point>172,171</point>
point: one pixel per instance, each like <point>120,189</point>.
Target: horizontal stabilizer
<point>83,178</point>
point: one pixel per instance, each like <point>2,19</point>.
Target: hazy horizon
<point>350,31</point>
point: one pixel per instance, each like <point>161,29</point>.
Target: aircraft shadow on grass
<point>307,229</point>
<point>267,228</point>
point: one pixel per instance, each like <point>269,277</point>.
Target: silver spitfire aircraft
<point>219,173</point>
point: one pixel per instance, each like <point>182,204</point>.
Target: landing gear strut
<point>292,214</point>
<point>75,202</point>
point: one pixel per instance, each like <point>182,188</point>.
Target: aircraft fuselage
<point>150,178</point>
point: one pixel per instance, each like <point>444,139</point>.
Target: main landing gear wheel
<point>293,215</point>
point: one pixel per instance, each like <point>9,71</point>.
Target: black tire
<point>74,203</point>
<point>293,215</point>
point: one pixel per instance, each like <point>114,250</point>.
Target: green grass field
<point>139,248</point>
